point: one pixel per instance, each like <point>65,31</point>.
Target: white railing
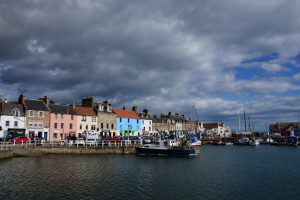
<point>71,144</point>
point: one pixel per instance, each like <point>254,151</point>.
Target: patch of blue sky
<point>249,73</point>
<point>263,58</point>
<point>245,96</point>
<point>296,58</point>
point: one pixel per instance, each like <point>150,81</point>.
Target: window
<point>56,116</point>
<point>80,127</point>
<point>112,126</point>
<point>137,121</point>
<point>71,126</point>
<point>128,120</point>
<point>129,126</point>
<point>30,123</point>
<point>62,116</point>
<point>62,125</point>
<point>120,119</point>
<point>55,135</point>
<point>101,125</point>
<point>93,119</point>
<point>41,113</point>
<point>149,128</point>
<point>31,113</point>
<point>107,126</point>
<point>7,123</point>
<point>93,127</point>
<point>16,112</point>
<point>72,117</point>
<point>150,122</point>
<point>83,118</point>
<point>40,124</point>
<point>86,127</point>
<point>55,125</point>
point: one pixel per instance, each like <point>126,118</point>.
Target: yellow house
<point>86,120</point>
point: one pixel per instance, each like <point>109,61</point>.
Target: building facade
<point>128,122</point>
<point>106,119</point>
<point>86,120</point>
<point>146,123</point>
<point>213,130</point>
<point>37,117</point>
<point>63,122</point>
<point>12,120</point>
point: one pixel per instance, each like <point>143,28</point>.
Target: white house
<point>12,120</point>
<point>146,123</point>
<point>211,130</point>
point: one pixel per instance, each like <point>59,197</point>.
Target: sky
<point>217,58</point>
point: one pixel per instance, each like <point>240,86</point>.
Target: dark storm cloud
<point>165,55</point>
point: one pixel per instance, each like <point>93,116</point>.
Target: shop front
<point>15,132</point>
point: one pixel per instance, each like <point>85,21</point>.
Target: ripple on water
<point>231,173</point>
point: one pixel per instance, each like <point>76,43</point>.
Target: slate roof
<point>62,109</point>
<point>125,114</point>
<point>7,108</point>
<point>85,111</point>
<point>36,105</point>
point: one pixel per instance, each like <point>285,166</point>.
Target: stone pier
<point>6,154</point>
<point>37,151</point>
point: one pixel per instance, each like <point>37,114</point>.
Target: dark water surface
<point>225,172</point>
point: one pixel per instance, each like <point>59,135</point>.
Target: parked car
<point>21,139</point>
<point>90,142</point>
<point>114,139</point>
<point>147,140</point>
<point>79,141</point>
<point>38,141</point>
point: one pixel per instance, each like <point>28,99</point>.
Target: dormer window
<point>16,112</point>
<point>101,107</point>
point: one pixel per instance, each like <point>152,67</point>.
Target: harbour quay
<point>4,154</point>
<point>33,149</point>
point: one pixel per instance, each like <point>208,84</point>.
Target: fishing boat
<point>194,141</point>
<point>243,141</point>
<point>292,141</point>
<point>254,142</point>
<point>167,148</point>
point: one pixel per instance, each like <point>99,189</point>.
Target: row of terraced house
<point>42,118</point>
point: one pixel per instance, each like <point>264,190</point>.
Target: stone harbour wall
<point>37,151</point>
<point>6,154</point>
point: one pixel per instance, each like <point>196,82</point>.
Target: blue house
<point>128,122</point>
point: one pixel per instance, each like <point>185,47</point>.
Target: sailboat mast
<point>245,121</point>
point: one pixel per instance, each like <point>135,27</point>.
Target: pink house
<point>63,122</point>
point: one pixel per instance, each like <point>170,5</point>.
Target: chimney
<point>146,112</point>
<point>124,108</point>
<point>73,105</point>
<point>134,109</point>
<point>21,99</point>
<point>87,102</point>
<point>46,100</point>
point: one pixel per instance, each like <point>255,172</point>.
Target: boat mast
<point>245,121</point>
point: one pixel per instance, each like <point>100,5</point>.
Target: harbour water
<point>220,172</point>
